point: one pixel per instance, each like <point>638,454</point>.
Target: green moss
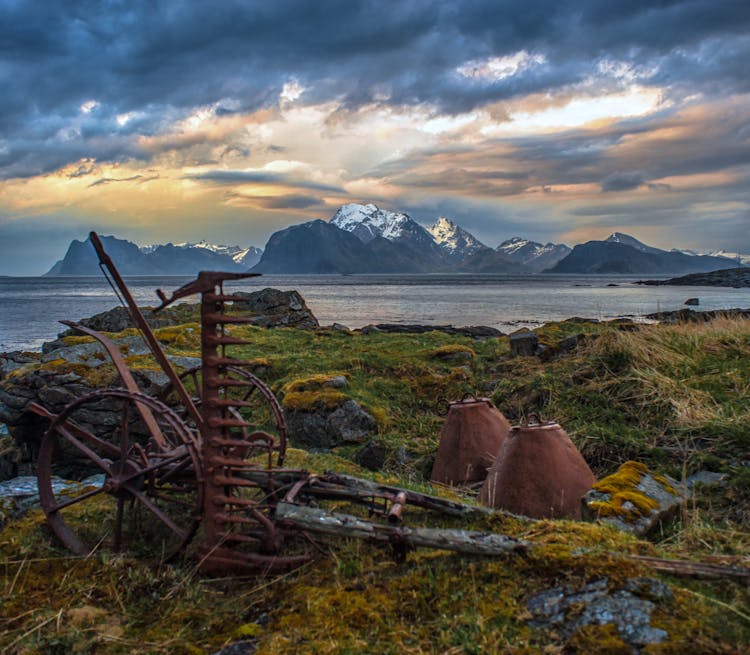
<point>600,639</point>
<point>644,395</point>
<point>448,350</point>
<point>310,401</point>
<point>627,477</point>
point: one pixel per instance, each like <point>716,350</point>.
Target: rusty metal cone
<point>472,435</point>
<point>538,473</point>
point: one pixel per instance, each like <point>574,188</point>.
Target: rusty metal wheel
<point>146,494</point>
<point>260,406</point>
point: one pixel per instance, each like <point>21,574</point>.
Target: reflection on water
<point>31,307</point>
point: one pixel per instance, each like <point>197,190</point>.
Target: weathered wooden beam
<point>313,519</point>
<point>692,569</point>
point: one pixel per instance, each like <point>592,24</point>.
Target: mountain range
<point>168,259</point>
<point>366,239</point>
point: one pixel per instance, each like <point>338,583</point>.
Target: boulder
<point>20,494</point>
<point>330,427</point>
<point>372,456</point>
<point>693,302</point>
<point>275,308</point>
<point>523,343</point>
<point>634,499</point>
<point>118,319</point>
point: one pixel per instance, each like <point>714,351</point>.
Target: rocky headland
<point>728,277</point>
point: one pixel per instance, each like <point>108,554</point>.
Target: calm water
<point>31,307</point>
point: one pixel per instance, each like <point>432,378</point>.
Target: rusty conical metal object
<point>539,473</point>
<point>472,435</point>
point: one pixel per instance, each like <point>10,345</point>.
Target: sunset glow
<point>562,130</point>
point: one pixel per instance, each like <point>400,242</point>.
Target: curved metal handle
<point>530,419</point>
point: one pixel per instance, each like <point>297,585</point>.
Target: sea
<point>30,307</point>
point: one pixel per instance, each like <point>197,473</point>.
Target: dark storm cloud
<point>290,201</point>
<point>262,177</point>
<point>618,181</point>
<point>158,60</point>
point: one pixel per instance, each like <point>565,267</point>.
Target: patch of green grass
<point>672,397</point>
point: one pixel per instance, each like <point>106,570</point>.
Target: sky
<point>553,120</point>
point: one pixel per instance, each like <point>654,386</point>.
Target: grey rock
<point>20,494</point>
<point>370,329</point>
<point>580,319</point>
<point>473,331</point>
<point>340,328</point>
<point>668,496</point>
<point>372,456</point>
<point>275,308</point>
<point>184,362</point>
<point>692,301</point>
<point>308,429</point>
<point>523,343</point>
<point>628,608</point>
<point>326,428</point>
<point>351,423</point>
<point>89,354</point>
<point>337,382</point>
<point>12,361</point>
<point>570,343</point>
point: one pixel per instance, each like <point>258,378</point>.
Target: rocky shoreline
<point>736,278</point>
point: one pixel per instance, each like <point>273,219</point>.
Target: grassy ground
<point>674,397</point>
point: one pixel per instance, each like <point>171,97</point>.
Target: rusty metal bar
<point>146,331</point>
<point>125,375</point>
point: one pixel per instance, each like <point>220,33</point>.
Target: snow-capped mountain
<point>156,259</point>
<point>736,257</point>
<point>536,256</point>
<point>627,240</point>
<point>367,222</point>
<point>623,254</point>
<point>453,239</point>
<point>242,256</point>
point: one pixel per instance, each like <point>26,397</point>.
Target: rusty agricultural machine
<point>193,460</point>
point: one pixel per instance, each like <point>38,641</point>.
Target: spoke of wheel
<point>76,499</point>
<point>177,490</point>
<point>248,394</point>
<point>171,499</point>
<point>118,523</point>
<point>146,502</point>
<point>187,462</point>
<point>84,434</point>
<point>94,457</point>
<point>156,465</point>
<point>124,431</point>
